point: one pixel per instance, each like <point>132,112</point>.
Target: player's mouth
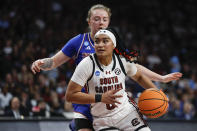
<point>101,28</point>
<point>101,50</point>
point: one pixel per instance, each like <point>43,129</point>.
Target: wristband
<point>98,97</point>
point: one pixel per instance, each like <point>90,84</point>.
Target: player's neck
<point>105,60</point>
<point>92,35</point>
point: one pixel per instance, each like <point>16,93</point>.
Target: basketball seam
<point>159,93</point>
<point>153,99</point>
<point>163,100</point>
<point>154,108</point>
<point>165,107</point>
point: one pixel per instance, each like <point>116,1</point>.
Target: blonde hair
<point>98,6</point>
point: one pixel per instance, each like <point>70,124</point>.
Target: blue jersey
<point>78,48</point>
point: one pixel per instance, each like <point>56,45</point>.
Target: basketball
<point>153,103</point>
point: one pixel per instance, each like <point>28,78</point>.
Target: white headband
<point>109,34</point>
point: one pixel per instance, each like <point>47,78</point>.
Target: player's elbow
<point>137,77</point>
<point>69,97</point>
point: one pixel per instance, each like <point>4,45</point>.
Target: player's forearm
<point>145,82</point>
<point>80,98</point>
<point>148,73</point>
<point>48,64</point>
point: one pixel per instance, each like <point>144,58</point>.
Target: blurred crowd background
<point>165,32</point>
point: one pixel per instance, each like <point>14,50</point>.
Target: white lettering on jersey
<point>88,48</point>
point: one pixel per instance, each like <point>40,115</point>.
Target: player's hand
<point>172,76</point>
<point>109,97</point>
<point>36,66</point>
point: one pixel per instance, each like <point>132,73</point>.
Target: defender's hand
<point>172,76</point>
<point>36,66</point>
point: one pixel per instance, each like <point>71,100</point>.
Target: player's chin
<point>101,54</point>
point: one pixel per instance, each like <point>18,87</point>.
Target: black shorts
<point>81,123</point>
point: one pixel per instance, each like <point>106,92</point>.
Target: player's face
<point>99,20</point>
<point>103,45</point>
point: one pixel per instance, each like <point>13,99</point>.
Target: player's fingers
<point>175,78</point>
<point>36,67</point>
<point>114,105</point>
<point>177,74</point>
<point>116,96</point>
<point>115,91</point>
<point>33,71</point>
<point>112,101</point>
<point>33,68</point>
<point>171,78</point>
<point>116,101</point>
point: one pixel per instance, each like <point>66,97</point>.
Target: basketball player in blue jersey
<point>81,46</point>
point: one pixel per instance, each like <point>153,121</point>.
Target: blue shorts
<point>83,109</point>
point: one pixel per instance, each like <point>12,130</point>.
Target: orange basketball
<point>153,103</point>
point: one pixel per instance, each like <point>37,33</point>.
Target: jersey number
<point>110,106</point>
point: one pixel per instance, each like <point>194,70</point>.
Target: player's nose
<point>102,22</point>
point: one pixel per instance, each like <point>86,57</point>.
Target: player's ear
<point>114,46</point>
<point>88,20</point>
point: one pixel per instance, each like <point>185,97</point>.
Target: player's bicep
<point>136,76</point>
<point>71,47</point>
<point>73,87</point>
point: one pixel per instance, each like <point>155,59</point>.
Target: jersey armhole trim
<point>87,86</point>
<point>93,68</point>
<point>81,45</point>
<point>114,62</point>
<point>121,64</point>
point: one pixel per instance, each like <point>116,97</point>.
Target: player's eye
<point>105,19</point>
<point>105,41</point>
<point>96,41</point>
<point>97,19</point>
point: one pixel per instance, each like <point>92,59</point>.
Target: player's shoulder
<point>123,59</point>
<point>75,41</point>
<point>126,63</point>
<point>79,36</point>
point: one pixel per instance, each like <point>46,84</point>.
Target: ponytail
<point>131,56</point>
<point>120,48</point>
